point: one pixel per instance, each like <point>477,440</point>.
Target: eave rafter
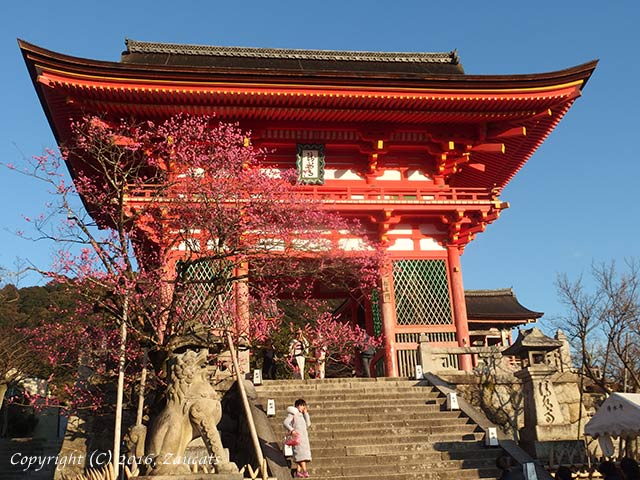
<point>454,156</point>
<point>384,221</point>
<point>453,103</point>
<point>464,224</point>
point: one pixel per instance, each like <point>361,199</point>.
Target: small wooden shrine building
<point>415,148</point>
<point>493,314</point>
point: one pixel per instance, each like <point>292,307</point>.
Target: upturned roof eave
<point>40,57</point>
<point>95,72</point>
<point>525,316</point>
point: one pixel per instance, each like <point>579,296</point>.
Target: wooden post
<point>388,324</point>
<point>459,305</point>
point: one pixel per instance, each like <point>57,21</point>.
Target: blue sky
<point>572,204</point>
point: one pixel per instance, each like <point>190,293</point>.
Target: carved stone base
<point>559,452</point>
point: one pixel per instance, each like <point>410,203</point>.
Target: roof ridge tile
<point>137,46</point>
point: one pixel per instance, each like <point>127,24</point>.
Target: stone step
<point>343,380</point>
<point>357,413</point>
<point>400,431</point>
<point>426,412</point>
<point>339,425</point>
<point>456,474</point>
<point>453,447</point>
<point>318,407</point>
<point>404,466</point>
<point>393,457</point>
<point>341,397</point>
<point>383,445</point>
<point>320,396</point>
<point>298,386</point>
<point>345,394</point>
<point>367,429</point>
<point>343,387</point>
<point>361,444</point>
<point>324,408</point>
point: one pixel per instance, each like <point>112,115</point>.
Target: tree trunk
<point>122,358</point>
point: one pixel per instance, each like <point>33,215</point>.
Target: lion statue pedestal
<point>193,411</point>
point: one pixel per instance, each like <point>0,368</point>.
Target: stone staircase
<point>17,452</point>
<point>366,429</point>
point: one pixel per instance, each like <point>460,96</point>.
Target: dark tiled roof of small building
<point>155,53</point>
<point>497,304</point>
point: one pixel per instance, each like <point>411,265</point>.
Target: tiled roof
<point>157,53</point>
<point>136,46</point>
<point>496,304</point>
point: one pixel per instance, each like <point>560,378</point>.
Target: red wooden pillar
<point>388,312</point>
<point>459,305</point>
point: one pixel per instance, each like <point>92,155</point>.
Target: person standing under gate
<point>366,354</point>
<point>321,359</point>
<point>298,349</point>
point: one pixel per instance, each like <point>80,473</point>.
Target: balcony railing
<point>367,195</point>
<point>407,195</point>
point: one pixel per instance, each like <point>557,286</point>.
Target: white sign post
<point>271,407</point>
<point>491,437</point>
<point>452,401</point>
<point>529,470</point>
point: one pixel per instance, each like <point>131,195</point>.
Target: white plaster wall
<point>341,174</point>
<point>402,245</point>
<point>417,175</point>
<point>401,229</point>
<point>391,175</point>
<point>430,244</point>
<point>429,228</point>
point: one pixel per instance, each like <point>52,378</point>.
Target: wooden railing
<point>367,194</point>
<point>384,194</point>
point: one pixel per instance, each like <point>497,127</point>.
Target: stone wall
<point>499,394</point>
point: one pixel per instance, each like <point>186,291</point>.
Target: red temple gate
<point>408,143</point>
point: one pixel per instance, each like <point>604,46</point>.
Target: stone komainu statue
<point>193,410</point>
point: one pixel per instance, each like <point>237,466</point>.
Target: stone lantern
<point>543,419</point>
<point>532,348</point>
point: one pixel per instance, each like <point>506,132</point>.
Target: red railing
<point>370,195</point>
<point>378,194</point>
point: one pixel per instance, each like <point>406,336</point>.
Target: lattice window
<point>204,281</point>
<point>407,337</point>
<point>407,360</point>
<point>432,337</point>
<point>422,292</point>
